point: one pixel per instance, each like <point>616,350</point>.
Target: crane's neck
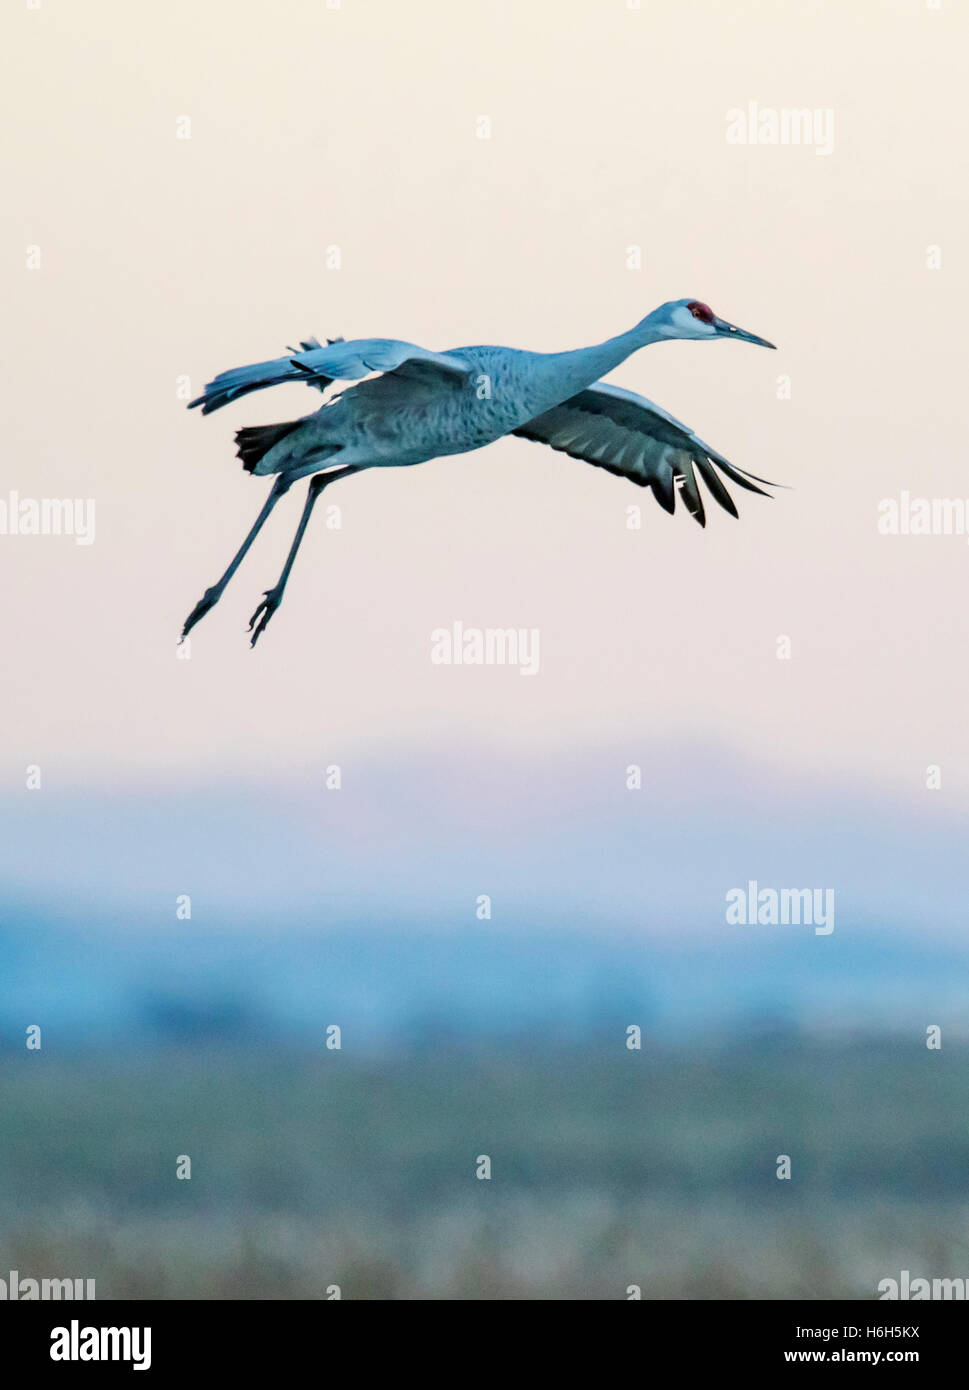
<point>581,367</point>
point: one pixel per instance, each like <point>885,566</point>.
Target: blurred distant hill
<point>357,906</point>
<point>100,982</point>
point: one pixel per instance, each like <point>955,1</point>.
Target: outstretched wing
<point>319,366</point>
<point>633,438</point>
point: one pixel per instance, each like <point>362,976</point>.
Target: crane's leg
<point>272,598</point>
<point>211,596</point>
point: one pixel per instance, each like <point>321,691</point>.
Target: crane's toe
<point>208,600</point>
<point>271,601</point>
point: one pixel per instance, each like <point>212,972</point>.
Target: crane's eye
<point>703,312</point>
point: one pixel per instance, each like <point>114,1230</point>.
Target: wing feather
<point>339,361</point>
<point>628,435</point>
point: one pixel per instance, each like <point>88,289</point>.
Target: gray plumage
<point>425,405</point>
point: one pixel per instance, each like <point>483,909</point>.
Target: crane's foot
<point>208,600</point>
<point>260,619</point>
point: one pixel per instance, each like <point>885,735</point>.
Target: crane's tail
<point>239,381</point>
<point>255,442</point>
<point>259,454</point>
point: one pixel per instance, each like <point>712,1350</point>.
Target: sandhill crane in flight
<point>427,404</point>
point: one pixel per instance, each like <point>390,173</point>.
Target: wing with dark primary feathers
<point>630,436</point>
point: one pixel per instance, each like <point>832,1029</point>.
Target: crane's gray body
<point>416,413</point>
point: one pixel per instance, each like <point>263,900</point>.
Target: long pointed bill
<point>729,330</point>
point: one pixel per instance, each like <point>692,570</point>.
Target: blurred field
<point>610,1168</point>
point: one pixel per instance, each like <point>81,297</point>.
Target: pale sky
<point>357,127</point>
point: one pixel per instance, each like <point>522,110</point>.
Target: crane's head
<point>691,318</point>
